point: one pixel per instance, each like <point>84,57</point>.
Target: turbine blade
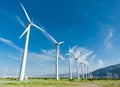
<point>52,38</point>
<point>25,12</point>
<point>28,27</point>
<point>39,28</point>
<point>61,42</point>
<point>47,34</point>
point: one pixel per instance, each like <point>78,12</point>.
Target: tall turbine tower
<point>70,61</point>
<point>85,69</point>
<point>57,52</point>
<point>77,67</point>
<point>57,56</point>
<point>82,72</point>
<point>27,30</point>
<point>91,76</point>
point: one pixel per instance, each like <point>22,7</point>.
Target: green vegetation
<point>59,83</point>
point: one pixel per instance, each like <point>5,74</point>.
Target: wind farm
<point>59,43</point>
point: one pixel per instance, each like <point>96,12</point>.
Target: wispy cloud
<point>108,39</point>
<point>10,43</point>
<point>20,21</point>
<point>92,57</point>
<point>76,51</point>
<point>44,55</point>
<point>52,53</point>
<point>85,55</point>
<point>41,56</point>
<point>100,63</point>
<point>14,57</point>
<point>81,53</point>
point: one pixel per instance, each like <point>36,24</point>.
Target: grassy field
<point>60,83</point>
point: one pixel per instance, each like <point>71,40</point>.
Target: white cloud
<point>108,39</point>
<point>83,57</point>
<point>80,53</point>
<point>37,56</point>
<point>76,51</point>
<point>45,55</point>
<point>52,53</point>
<point>10,43</point>
<point>92,57</point>
<point>100,63</point>
<point>45,58</point>
<point>20,21</point>
<point>72,49</point>
<point>14,57</point>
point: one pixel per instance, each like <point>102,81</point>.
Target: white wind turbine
<point>77,67</point>
<point>76,53</point>
<point>90,72</point>
<point>82,72</point>
<point>57,52</point>
<point>27,30</point>
<point>85,69</point>
<point>70,60</point>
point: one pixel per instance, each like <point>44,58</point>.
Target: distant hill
<point>108,72</point>
<point>112,71</point>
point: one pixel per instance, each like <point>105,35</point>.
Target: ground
<point>60,83</point>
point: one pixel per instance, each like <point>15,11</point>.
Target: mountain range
<point>112,71</point>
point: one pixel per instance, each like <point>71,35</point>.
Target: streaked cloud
<point>20,21</point>
<point>44,55</point>
<point>108,39</point>
<point>100,63</point>
<point>92,57</point>
<point>10,43</point>
<point>81,53</point>
<point>85,55</point>
<point>14,57</point>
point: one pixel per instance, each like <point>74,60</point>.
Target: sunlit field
<point>59,83</point>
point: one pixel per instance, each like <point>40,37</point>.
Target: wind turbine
<point>85,69</point>
<point>70,60</point>
<point>89,72</point>
<point>91,76</point>
<point>77,67</point>
<point>57,52</point>
<point>27,30</point>
<point>82,69</point>
<point>57,55</point>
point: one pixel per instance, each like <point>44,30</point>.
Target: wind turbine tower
<point>82,69</point>
<point>27,30</point>
<point>70,69</point>
<point>70,61</point>
<point>77,67</point>
<point>57,52</point>
<point>85,69</point>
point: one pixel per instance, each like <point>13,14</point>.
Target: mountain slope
<point>108,72</point>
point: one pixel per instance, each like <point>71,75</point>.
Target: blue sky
<point>90,24</point>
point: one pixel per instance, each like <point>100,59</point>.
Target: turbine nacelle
<point>76,58</point>
<point>58,43</point>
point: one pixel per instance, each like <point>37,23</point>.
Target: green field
<point>59,83</point>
